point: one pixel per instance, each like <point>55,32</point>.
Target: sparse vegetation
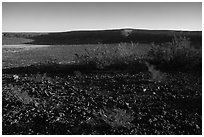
<point>123,55</point>
<point>156,74</point>
<point>19,94</point>
<point>53,91</point>
<point>178,54</point>
<point>116,117</point>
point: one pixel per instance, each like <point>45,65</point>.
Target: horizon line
<point>99,30</point>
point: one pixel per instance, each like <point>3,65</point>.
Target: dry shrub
<point>20,94</point>
<point>156,75</point>
<point>104,56</point>
<point>116,117</point>
<point>177,54</point>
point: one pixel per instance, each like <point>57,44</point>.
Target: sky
<point>67,16</point>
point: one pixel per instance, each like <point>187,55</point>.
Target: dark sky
<point>58,16</point>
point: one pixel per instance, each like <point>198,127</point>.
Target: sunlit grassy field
<point>18,56</point>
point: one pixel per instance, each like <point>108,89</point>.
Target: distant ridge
<point>99,30</point>
<point>103,36</point>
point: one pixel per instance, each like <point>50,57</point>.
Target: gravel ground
<point>102,103</point>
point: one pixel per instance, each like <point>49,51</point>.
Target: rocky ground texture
<point>101,103</point>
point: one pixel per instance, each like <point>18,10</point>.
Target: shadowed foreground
<point>85,102</point>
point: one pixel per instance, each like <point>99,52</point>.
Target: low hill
<point>101,36</point>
